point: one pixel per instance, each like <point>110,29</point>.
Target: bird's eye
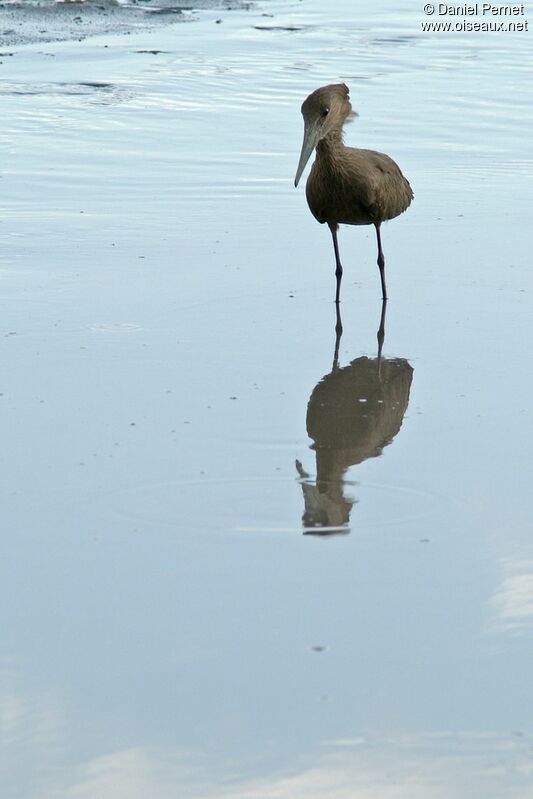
<point>325,112</point>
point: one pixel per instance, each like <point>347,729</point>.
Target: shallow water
<point>229,570</point>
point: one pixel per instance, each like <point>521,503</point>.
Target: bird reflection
<point>353,413</point>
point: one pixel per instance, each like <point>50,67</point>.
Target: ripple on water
<point>97,92</point>
<point>115,328</point>
<point>248,505</point>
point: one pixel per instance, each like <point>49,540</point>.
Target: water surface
<point>171,626</point>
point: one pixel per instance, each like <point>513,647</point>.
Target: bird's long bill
<point>309,144</point>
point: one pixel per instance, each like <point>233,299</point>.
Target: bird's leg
<point>381,262</point>
<point>338,334</point>
<point>381,329</point>
<point>338,266</point>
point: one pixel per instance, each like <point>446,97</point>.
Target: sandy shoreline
<point>29,23</point>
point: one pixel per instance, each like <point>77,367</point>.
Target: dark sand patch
<point>29,23</point>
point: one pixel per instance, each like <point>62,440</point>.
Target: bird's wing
<point>381,187</point>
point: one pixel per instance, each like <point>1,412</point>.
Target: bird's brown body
<point>347,185</point>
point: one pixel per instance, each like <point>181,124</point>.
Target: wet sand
<point>177,621</point>
<point>33,21</point>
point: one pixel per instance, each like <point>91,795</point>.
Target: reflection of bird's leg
<point>381,329</point>
<point>338,334</point>
<point>381,262</point>
<point>338,266</point>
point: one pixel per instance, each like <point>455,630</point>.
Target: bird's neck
<point>328,148</point>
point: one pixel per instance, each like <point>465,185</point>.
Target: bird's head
<point>326,109</point>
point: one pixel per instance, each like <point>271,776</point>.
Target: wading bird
<point>347,185</point>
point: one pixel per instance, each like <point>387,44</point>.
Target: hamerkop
<point>347,186</point>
